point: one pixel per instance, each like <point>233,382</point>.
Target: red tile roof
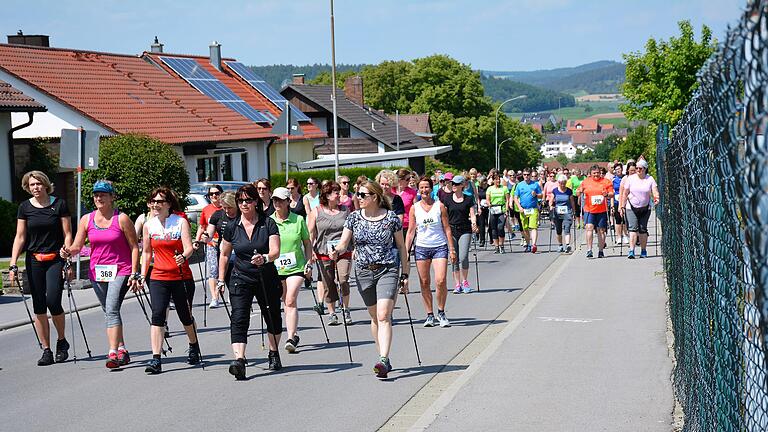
<point>240,87</point>
<point>127,94</point>
<point>14,100</point>
<point>582,125</point>
<point>416,123</point>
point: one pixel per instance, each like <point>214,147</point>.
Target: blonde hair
<point>389,175</point>
<point>39,176</point>
<point>378,192</point>
<point>228,199</point>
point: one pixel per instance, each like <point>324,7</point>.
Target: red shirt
<point>594,194</point>
<point>205,217</point>
<point>165,242</point>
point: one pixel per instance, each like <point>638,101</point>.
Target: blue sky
<point>488,34</point>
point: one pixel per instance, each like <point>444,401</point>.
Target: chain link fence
<point>713,175</point>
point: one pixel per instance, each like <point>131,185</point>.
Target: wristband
<point>403,277</point>
<point>13,268</point>
<point>266,258</point>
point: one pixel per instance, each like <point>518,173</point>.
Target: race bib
<point>331,245</point>
<point>286,260</point>
<point>597,199</point>
<point>428,221</point>
<point>105,273</point>
<point>561,209</point>
<point>483,202</point>
<point>529,211</point>
<point>616,197</point>
<point>496,210</point>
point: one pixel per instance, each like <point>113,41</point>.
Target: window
<point>343,127</point>
<point>226,169</point>
<point>244,166</point>
<point>208,169</point>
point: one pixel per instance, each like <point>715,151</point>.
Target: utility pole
<point>333,99</point>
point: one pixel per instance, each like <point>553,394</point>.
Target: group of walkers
<point>264,244</point>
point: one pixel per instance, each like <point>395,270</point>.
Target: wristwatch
<point>266,258</point>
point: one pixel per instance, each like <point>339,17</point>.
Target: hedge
<point>8,211</point>
<point>278,179</point>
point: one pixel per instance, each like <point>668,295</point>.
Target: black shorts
<point>282,278</point>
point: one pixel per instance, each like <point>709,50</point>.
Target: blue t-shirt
<point>616,185</point>
<point>563,198</point>
<point>525,192</point>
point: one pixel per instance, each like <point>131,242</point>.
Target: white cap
<point>281,193</point>
<point>642,164</point>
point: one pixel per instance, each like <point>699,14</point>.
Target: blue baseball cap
<point>102,186</point>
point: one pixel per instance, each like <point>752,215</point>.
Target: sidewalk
<point>584,349</point>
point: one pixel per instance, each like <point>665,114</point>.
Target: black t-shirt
<point>243,247</point>
<point>397,205</point>
<point>220,220</point>
<point>44,231</point>
<point>270,208</point>
<point>458,214</point>
<point>299,209</point>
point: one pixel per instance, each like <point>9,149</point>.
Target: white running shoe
<point>214,304</point>
<point>443,320</point>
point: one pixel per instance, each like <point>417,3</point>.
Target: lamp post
<point>496,139</point>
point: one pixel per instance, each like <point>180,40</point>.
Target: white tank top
<point>429,226</point>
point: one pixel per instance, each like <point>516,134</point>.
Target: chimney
<point>353,89</point>
<point>216,55</point>
<point>35,40</point>
<point>156,47</point>
<point>298,79</point>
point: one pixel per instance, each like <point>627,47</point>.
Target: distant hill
<point>597,77</point>
<point>537,98</point>
<point>276,75</point>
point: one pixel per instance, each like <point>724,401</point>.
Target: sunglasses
<point>214,193</point>
<point>345,182</point>
<point>156,201</point>
<point>247,201</point>
<point>364,195</point>
<point>311,183</point>
<point>278,200</point>
<point>262,188</point>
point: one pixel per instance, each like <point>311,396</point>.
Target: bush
<point>8,212</point>
<point>278,179</point>
<point>137,164</point>
<point>433,164</point>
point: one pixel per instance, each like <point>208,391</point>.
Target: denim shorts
<point>427,253</point>
<point>379,284</point>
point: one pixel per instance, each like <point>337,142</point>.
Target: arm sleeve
<point>229,231</point>
<point>22,212</point>
<point>304,229</point>
<point>397,205</point>
<point>272,227</point>
<point>63,208</point>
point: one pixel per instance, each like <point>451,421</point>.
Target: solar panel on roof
<point>208,85</point>
<point>265,89</point>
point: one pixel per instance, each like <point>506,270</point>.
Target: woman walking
<point>635,203</point>
<point>295,251</point>
<point>386,178</point>
<point>376,231</point>
<point>429,224</point>
<point>296,200</point>
<point>482,209</point>
<point>461,216</point>
<point>114,263</point>
<point>406,193</point>
<point>326,223</point>
<point>312,198</point>
<point>167,237</point>
<point>218,223</point>
<point>264,188</point>
<point>498,198</point>
<point>255,241</point>
<point>346,198</point>
<point>561,202</point>
<point>42,227</point>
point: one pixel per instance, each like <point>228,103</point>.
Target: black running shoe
<point>62,348</point>
<point>291,344</point>
<point>274,361</point>
<point>154,367</point>
<point>237,369</point>
<point>46,359</point>
<point>193,357</point>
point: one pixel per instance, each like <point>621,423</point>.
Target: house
<point>539,120</point>
<point>366,137</point>
<point>590,125</point>
<point>12,101</point>
<point>573,166</point>
<point>219,139</point>
<point>419,124</point>
<point>557,143</point>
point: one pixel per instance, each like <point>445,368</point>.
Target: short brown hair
<point>295,183</point>
<point>326,189</point>
<point>169,195</point>
<point>39,176</point>
<point>266,182</point>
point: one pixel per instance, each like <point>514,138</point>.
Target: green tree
<point>660,81</point>
<point>324,78</point>
<point>388,86</point>
<point>640,141</point>
<point>137,164</point>
<point>603,150</point>
<point>562,158</point>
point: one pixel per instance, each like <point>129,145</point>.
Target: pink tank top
<point>408,195</point>
<point>109,246</point>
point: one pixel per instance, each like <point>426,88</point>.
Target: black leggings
<point>497,226</point>
<point>482,224</point>
<point>161,292</point>
<point>46,285</point>
<point>241,294</point>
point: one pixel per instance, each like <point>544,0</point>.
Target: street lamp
<point>497,126</point>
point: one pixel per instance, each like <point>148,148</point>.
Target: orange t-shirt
<point>165,242</point>
<point>205,216</point>
<point>594,194</point>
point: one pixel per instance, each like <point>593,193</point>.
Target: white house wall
<point>257,161</point>
<point>48,124</point>
<point>5,166</point>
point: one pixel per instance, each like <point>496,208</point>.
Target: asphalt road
<point>318,387</point>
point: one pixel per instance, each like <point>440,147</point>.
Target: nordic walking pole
<point>343,308</point>
<point>144,309</point>
<point>189,306</point>
<point>223,300</point>
<point>26,306</point>
<point>67,266</point>
<point>266,302</point>
<point>410,319</point>
<point>205,288</point>
<point>551,228</point>
<point>656,228</point>
<point>308,285</point>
